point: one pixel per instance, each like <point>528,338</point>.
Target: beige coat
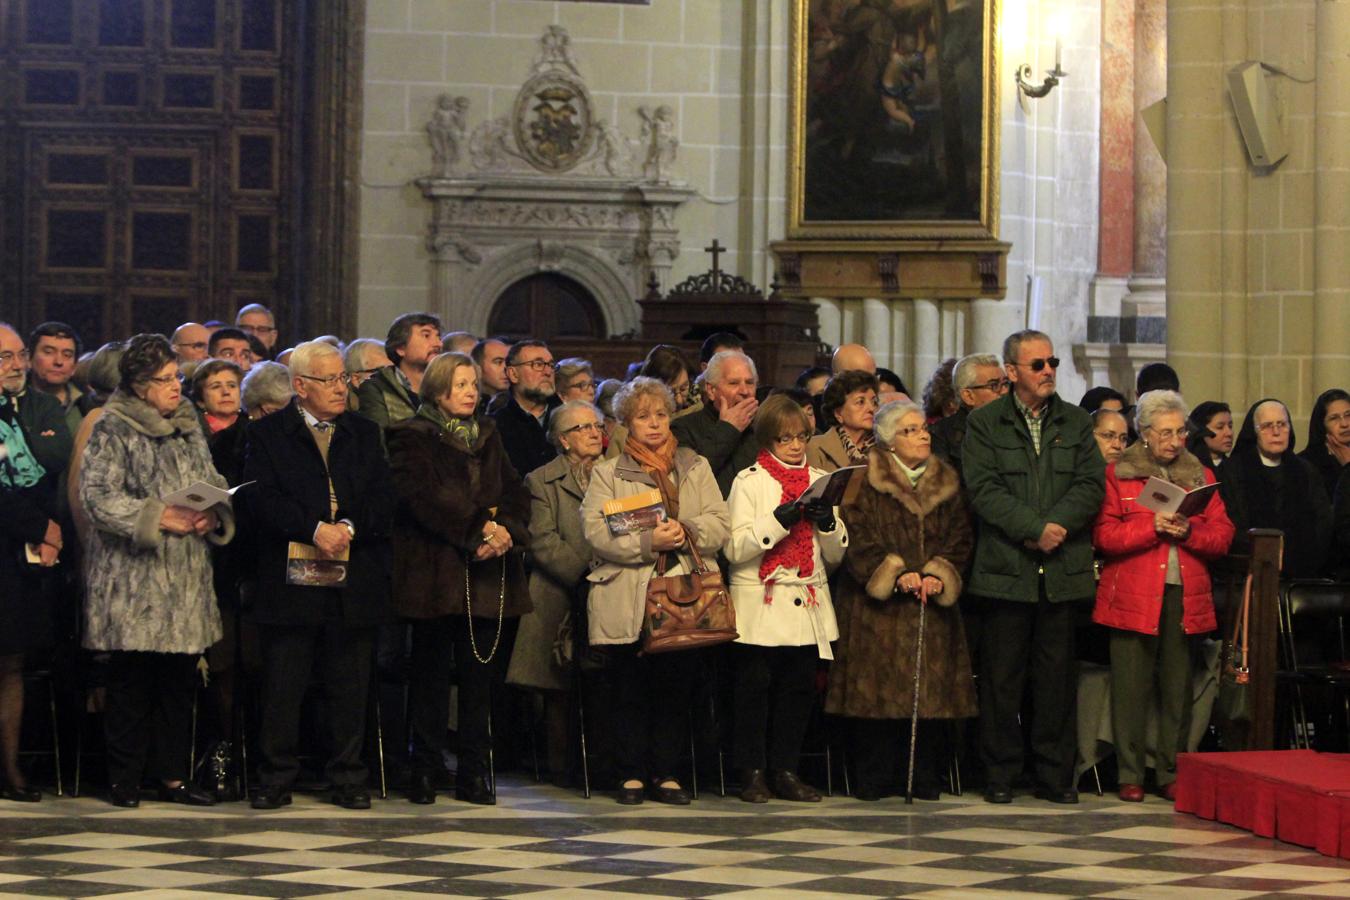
<point>826,452</point>
<point>559,557</point>
<point>622,566</point>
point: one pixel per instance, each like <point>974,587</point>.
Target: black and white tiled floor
<point>543,842</point>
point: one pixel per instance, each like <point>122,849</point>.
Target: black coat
<point>948,433</point>
<point>290,499</point>
<point>727,450</point>
<point>525,440</point>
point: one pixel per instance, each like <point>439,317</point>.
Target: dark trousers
<point>775,691</point>
<point>147,722</point>
<point>651,709</point>
<point>1018,639</point>
<point>344,662</point>
<point>1144,666</point>
<point>880,749</point>
<point>442,652</point>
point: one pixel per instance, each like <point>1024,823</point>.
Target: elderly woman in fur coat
<point>909,540</point>
<point>150,603</point>
<point>1155,594</point>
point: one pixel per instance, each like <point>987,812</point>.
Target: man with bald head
<point>190,342</point>
<point>850,357</point>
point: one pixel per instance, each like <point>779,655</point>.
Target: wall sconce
<point>1052,77</point>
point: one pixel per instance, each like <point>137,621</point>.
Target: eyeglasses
<point>331,381</point>
<point>539,365</point>
<point>1037,365</point>
<point>7,357</point>
<point>1179,433</point>
<point>581,386</point>
<point>1277,425</point>
<point>258,329</point>
<point>195,345</point>
<point>166,380</point>
<point>588,427</point>
<point>994,385</point>
<point>911,431</point>
<point>1114,439</point>
<point>784,440</point>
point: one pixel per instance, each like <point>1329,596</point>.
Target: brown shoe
<point>756,789</point>
<point>787,786</point>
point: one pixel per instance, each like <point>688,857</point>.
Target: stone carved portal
<point>549,188</point>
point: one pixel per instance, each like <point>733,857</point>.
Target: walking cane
<point>914,716</point>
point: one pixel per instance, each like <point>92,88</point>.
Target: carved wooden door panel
<point>546,306</point>
<point>145,146</point>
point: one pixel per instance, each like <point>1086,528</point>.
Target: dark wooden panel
<point>192,24</point>
<point>49,21</point>
<point>161,240</point>
<point>121,23</point>
<point>83,169</point>
<point>76,238</point>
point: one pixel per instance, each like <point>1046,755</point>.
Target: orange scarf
<point>658,463</point>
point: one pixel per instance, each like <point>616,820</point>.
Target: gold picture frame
<point>879,140</point>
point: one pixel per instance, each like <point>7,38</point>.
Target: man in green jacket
<point>1035,481</point>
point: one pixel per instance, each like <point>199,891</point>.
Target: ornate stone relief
<point>553,184</point>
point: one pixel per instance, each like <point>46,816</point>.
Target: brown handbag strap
<point>1239,641</point>
<point>662,558</point>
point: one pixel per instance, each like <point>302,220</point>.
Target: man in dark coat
<point>321,479</point>
<point>1036,482</point>
<point>720,431</point>
<point>978,380</point>
<point>522,419</point>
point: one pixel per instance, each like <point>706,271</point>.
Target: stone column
<point>1150,172</point>
<point>1331,263</point>
<point>927,352</point>
<point>876,332</point>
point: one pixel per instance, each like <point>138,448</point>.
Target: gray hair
<point>267,383</point>
<point>305,355</point>
<point>887,420</point>
<point>1155,403</point>
<point>358,352</point>
<point>1012,344</point>
<point>555,419</point>
<point>567,369</point>
<point>254,308</point>
<point>713,374</point>
<point>630,395</point>
<point>103,375</point>
<point>604,395</point>
<point>963,376</point>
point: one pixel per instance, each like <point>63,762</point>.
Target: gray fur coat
<point>148,589</point>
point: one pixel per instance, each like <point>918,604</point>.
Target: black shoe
<point>756,789</point>
<point>351,796</point>
<point>186,793</point>
<point>787,786</point>
<point>422,791</point>
<point>925,790</point>
<point>1057,795</point>
<point>125,796</point>
<point>675,796</point>
<point>475,789</point>
<point>22,794</point>
<point>272,796</point>
<point>630,796</point>
<point>998,793</point>
<point>867,794</point>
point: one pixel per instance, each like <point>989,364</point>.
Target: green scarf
<point>464,429</point>
<point>19,468</point>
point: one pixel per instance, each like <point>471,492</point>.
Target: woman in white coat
<point>779,553</point>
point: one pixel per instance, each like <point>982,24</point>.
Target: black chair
<point>1313,659</point>
<point>46,673</point>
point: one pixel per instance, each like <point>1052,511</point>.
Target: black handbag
<point>1233,705</point>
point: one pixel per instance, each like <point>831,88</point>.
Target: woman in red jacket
<point>1155,589</point>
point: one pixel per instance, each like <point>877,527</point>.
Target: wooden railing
<point>1264,566</point>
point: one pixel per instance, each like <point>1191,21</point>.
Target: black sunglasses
<point>1037,365</point>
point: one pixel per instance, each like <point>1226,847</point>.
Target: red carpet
<point>1297,796</point>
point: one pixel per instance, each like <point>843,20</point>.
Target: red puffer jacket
<point>1129,596</point>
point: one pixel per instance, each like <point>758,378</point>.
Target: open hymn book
<point>1165,497</point>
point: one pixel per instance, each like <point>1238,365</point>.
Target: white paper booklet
<point>1165,497</point>
<point>201,496</point>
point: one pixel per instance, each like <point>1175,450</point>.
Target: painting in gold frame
<point>894,119</point>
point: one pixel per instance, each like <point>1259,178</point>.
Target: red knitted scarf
<point>798,549</point>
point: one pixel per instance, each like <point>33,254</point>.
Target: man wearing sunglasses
<point>1035,480</point>
<point>979,380</point>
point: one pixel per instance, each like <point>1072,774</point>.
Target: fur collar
<point>1136,462</point>
<point>143,417</point>
<point>938,484</point>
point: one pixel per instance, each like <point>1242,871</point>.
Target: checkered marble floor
<point>543,842</point>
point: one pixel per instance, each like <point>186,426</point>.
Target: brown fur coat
<point>894,528</point>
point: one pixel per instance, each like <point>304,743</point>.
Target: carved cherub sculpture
<point>446,130</point>
<point>659,141</point>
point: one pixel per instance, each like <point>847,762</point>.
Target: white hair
<point>254,308</point>
<point>267,382</point>
<point>359,351</point>
<point>713,374</point>
<point>1155,403</point>
<point>305,355</point>
<point>560,413</point>
<point>887,420</point>
<point>963,376</point>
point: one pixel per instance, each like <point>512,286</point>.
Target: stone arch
<point>592,271</point>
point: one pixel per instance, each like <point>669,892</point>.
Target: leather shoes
<point>22,794</point>
<point>187,793</point>
<point>272,796</point>
<point>1057,795</point>
<point>1169,791</point>
<point>125,796</point>
<point>675,796</point>
<point>756,789</point>
<point>1132,793</point>
<point>630,796</point>
<point>351,796</point>
<point>998,793</point>
<point>422,791</point>
<point>926,790</point>
<point>475,789</point>
<point>787,786</point>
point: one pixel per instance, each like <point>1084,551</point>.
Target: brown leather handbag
<point>687,611</point>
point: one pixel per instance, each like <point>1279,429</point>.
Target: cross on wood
<point>716,250</point>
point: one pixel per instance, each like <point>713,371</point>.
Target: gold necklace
<point>501,614</point>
